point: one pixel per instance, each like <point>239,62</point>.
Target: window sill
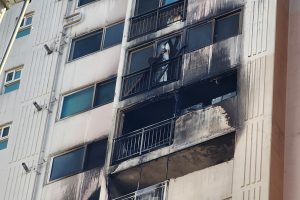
<point>4,139</point>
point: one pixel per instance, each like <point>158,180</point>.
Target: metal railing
<point>143,140</point>
<point>150,77</point>
<point>157,19</point>
<point>155,192</point>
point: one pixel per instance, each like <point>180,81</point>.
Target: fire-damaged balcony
<point>201,110</point>
<point>157,19</point>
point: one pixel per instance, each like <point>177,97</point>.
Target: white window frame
<point>1,132</point>
<point>8,83</point>
<point>23,27</point>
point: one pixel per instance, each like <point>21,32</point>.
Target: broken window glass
<point>226,28</point>
<point>139,59</point>
<point>199,37</point>
<point>104,93</point>
<point>77,102</point>
<point>144,6</point>
<point>67,164</point>
<point>85,45</point>
<point>114,35</point>
<point>95,155</point>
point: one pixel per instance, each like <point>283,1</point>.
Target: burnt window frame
<point>83,169</point>
<point>154,44</point>
<point>238,11</point>
<point>94,85</point>
<point>94,32</point>
<point>160,6</point>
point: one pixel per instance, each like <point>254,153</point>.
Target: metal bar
<point>14,35</point>
<point>141,147</point>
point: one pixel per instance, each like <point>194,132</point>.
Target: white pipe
<point>2,12</point>
<point>14,35</point>
<point>47,117</point>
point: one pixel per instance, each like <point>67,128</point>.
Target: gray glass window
<point>95,155</point>
<point>104,93</point>
<point>86,158</point>
<point>139,59</point>
<point>227,27</point>
<point>9,76</point>
<point>114,35</point>
<point>85,45</point>
<point>67,164</point>
<point>199,37</point>
<point>77,102</point>
<point>83,2</point>
<point>5,131</point>
<point>146,5</point>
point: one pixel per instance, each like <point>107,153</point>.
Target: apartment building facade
<point>148,99</point>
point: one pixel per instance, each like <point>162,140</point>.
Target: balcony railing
<point>155,192</point>
<point>150,77</point>
<point>157,19</point>
<point>143,140</point>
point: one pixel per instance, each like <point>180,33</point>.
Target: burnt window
<point>146,5</point>
<point>209,91</point>
<point>139,59</point>
<point>82,100</point>
<point>91,156</point>
<point>93,42</point>
<point>213,31</point>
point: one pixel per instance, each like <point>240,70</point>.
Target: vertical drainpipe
<point>14,35</point>
<point>2,12</point>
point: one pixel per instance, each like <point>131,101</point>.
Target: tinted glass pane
<point>170,48</point>
<point>28,19</point>
<point>226,28</point>
<point>77,102</point>
<point>12,87</point>
<point>17,75</point>
<point>114,35</point>
<point>199,37</point>
<point>83,2</point>
<point>139,59</point>
<point>165,2</point>
<point>3,145</point>
<point>5,132</point>
<point>67,164</point>
<point>87,45</point>
<point>105,93</point>
<point>95,155</point>
<point>9,76</point>
<point>23,33</point>
<point>146,5</point>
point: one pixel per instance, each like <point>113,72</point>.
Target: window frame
<point>85,146</point>
<point>238,11</point>
<point>62,96</point>
<point>13,81</point>
<point>79,6</point>
<point>25,27</point>
<point>2,139</point>
<point>91,33</point>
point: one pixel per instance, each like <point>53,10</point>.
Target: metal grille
<point>143,140</point>
<point>155,192</point>
<point>159,18</point>
<point>150,77</point>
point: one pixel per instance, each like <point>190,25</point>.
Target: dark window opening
<point>139,59</point>
<point>209,91</point>
<point>144,6</point>
<point>146,178</point>
<point>199,37</point>
<point>91,156</point>
<point>82,101</point>
<point>83,2</point>
<point>92,42</point>
<point>227,27</point>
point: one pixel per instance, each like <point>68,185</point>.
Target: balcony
<point>156,75</point>
<point>155,192</point>
<point>157,19</point>
<point>143,140</point>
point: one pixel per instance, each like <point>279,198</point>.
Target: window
<point>12,80</point>
<point>143,6</point>
<point>83,100</point>
<point>4,133</point>
<point>96,41</point>
<point>25,27</point>
<point>84,2</point>
<point>214,31</point>
<point>90,156</point>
